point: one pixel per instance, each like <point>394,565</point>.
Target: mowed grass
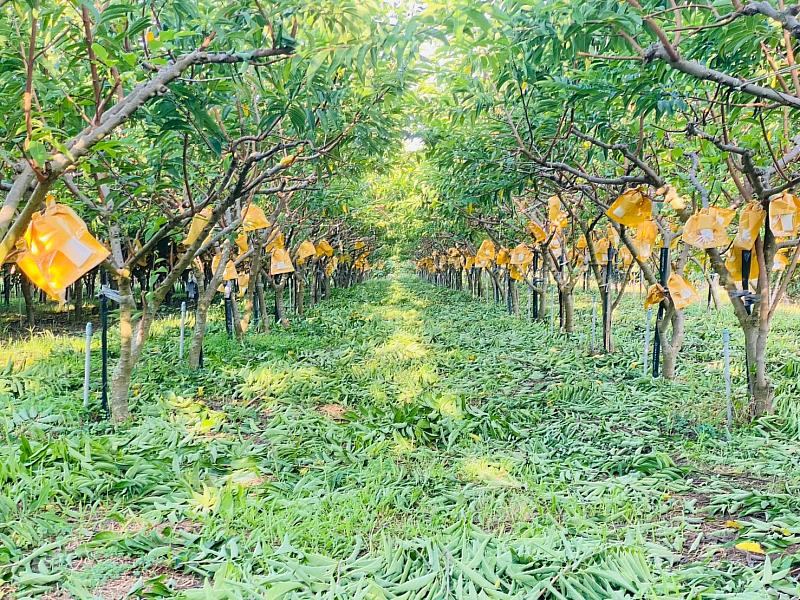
<point>402,441</point>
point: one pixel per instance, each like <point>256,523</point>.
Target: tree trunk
<point>669,361</point>
<point>205,296</point>
<point>238,330</point>
<point>27,294</point>
<point>250,292</point>
<point>121,378</point>
<point>262,303</point>
<point>762,391</point>
<point>280,305</point>
<point>568,299</point>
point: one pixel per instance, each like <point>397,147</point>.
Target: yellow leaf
<point>733,524</point>
<point>753,547</point>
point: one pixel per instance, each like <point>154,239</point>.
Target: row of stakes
<point>646,362</point>
<point>106,293</point>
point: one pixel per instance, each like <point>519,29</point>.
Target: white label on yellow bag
<point>619,212</point>
<point>706,235</point>
<point>76,251</point>
<point>787,222</point>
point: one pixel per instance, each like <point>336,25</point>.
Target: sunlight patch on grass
<point>402,345</point>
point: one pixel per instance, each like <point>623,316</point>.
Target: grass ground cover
<point>402,441</point>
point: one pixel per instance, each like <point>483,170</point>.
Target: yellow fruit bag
<point>57,249</point>
<point>705,229</point>
<point>537,231</point>
<point>521,255</point>
<point>750,222</point>
<point>631,208</point>
<point>783,215</point>
<point>601,251</point>
<point>276,241</point>
<point>198,222</point>
<point>681,291</point>
<point>655,294</point>
<point>646,234</point>
<point>503,257</point>
<point>324,248</point>
<point>305,250</point>
<point>230,268</point>
<point>281,262</point>
<point>254,218</point>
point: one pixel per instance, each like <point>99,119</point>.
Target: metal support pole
<point>183,331</point>
<point>87,365</point>
<point>646,340</point>
<point>104,342</point>
<point>726,357</point>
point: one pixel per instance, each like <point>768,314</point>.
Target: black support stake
<point>747,262</point>
<point>664,273</point>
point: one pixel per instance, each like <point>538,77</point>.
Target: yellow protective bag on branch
<point>254,218</point>
<point>485,254</point>
<point>613,235</point>
<point>230,268</point>
<point>723,216</point>
<point>672,197</point>
<point>750,223</point>
<point>244,281</point>
<point>57,249</point>
<point>198,222</point>
<point>515,273</point>
<point>361,263</point>
<point>241,243</point>
<point>558,218</point>
<point>537,231</point>
<point>601,251</point>
<point>646,234</point>
<point>581,243</point>
<point>706,229</point>
<point>324,249</point>
<point>469,263</point>
<point>781,260</point>
<point>681,291</point>
<point>734,265</point>
<point>305,250</point>
<point>276,241</point>
<point>503,257</point>
<point>784,215</point>
<point>631,208</point>
<point>521,255</point>
<point>331,266</point>
<point>655,294</point>
<point>626,256</point>
<point>280,262</point>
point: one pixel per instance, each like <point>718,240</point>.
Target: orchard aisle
<point>403,441</point>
